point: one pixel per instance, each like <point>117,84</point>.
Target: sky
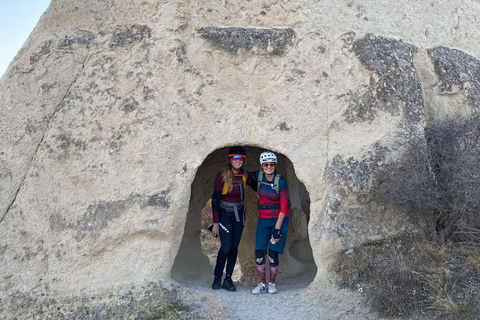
<point>17,20</point>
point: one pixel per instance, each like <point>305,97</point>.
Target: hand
<point>276,235</point>
<point>215,230</point>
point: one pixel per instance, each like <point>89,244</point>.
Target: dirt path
<point>295,298</point>
<point>293,301</point>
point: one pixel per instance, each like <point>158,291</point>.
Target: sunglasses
<point>269,164</point>
<point>238,158</point>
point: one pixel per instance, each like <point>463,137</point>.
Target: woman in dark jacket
<point>229,214</point>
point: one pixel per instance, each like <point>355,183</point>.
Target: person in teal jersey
<point>273,218</point>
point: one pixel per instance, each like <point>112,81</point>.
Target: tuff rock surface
<point>116,116</point>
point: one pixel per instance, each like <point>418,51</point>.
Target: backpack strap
<point>259,180</point>
<point>238,184</point>
<point>276,182</point>
<point>275,185</point>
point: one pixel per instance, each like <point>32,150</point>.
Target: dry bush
<point>412,277</point>
<point>435,176</point>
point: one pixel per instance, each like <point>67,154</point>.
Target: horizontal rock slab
<point>273,41</point>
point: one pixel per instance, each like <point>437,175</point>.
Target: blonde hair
<point>227,175</point>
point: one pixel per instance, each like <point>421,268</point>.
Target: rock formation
<point>116,115</point>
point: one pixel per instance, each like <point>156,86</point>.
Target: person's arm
<point>283,192</point>
<point>251,180</point>
<point>276,233</point>
<point>217,193</point>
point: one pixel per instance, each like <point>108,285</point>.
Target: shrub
<point>435,175</point>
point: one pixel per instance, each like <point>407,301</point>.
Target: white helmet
<point>268,156</point>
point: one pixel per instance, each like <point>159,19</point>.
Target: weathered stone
<point>85,39</point>
<point>397,89</point>
<point>274,41</point>
<point>127,35</point>
<point>457,70</point>
<point>116,116</point>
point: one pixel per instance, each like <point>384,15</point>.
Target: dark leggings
<point>230,234</point>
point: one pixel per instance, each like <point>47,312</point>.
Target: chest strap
<point>268,206</point>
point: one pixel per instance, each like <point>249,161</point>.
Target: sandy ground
<point>293,301</point>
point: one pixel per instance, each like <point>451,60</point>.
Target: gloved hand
<point>276,234</point>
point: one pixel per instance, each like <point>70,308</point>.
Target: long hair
<point>227,175</point>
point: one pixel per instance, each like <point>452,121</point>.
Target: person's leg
<point>273,252</point>
<point>229,252</point>
<point>226,243</point>
<point>260,261</point>
<point>226,234</point>
<point>220,264</point>
<point>237,229</point>
<point>262,236</point>
<point>273,260</point>
<point>218,271</point>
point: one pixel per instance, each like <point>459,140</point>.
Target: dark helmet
<point>236,151</point>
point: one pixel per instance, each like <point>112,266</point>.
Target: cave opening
<point>198,250</point>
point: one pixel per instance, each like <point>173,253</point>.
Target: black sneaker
<point>217,282</point>
<point>228,284</point>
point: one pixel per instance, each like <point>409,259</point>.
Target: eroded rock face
<point>270,41</point>
<point>114,118</point>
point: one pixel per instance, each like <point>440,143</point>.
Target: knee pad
<point>260,257</point>
<point>273,258</point>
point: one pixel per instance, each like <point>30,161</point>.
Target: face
<point>236,162</point>
<point>268,167</point>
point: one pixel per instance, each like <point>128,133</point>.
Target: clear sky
<point>17,20</point>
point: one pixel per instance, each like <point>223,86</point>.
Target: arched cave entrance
<point>297,265</point>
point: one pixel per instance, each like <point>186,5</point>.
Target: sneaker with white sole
<point>260,288</point>
<point>272,288</point>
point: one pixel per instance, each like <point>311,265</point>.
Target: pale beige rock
<point>116,116</point>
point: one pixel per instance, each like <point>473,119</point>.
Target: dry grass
<point>451,309</point>
<point>352,268</point>
<point>436,254</point>
<point>171,305</point>
<point>412,277</point>
<point>170,312</point>
<point>473,260</point>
